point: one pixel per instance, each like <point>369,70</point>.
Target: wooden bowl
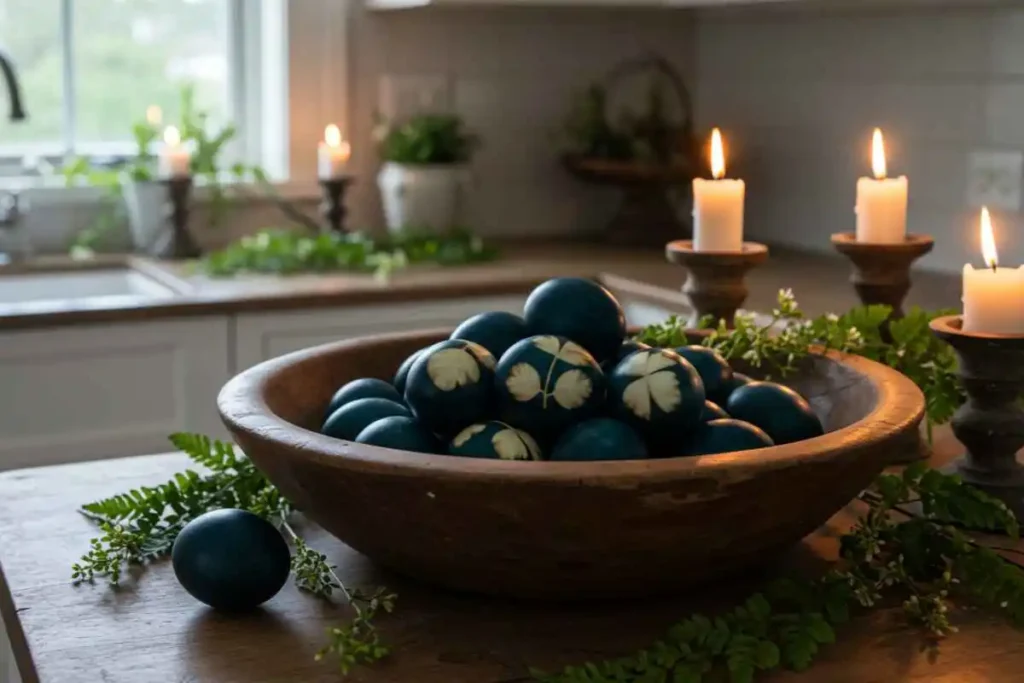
<point>563,530</point>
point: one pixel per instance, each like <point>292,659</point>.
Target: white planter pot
<point>144,203</point>
<point>422,198</point>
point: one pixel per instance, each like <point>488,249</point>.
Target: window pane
<point>30,33</point>
<point>130,54</point>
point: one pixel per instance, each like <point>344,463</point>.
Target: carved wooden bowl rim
<point>949,328</point>
<point>915,245</point>
<point>683,253</point>
<point>244,409</point>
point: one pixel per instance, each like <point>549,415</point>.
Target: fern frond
<point>217,456</point>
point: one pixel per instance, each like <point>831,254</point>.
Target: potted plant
<point>425,169</point>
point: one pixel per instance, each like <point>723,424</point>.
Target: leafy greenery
<point>141,525</point>
<point>427,139</point>
<point>776,346</point>
<point>921,562</point>
<point>288,252</point>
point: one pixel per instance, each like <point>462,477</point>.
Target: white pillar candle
<point>993,296</point>
<point>881,202</point>
<point>174,159</point>
<point>718,206</point>
<point>333,154</point>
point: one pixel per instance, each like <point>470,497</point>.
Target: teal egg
<point>627,348</point>
<point>738,380</point>
<point>347,421</point>
<point>712,411</point>
<point>726,436</point>
<point>231,559</point>
<point>451,386</point>
<point>495,440</point>
<point>401,433</point>
<point>580,310</point>
<point>657,392</point>
<point>713,369</point>
<point>601,438</point>
<point>362,388</point>
<point>781,412</point>
<point>545,383</point>
<point>402,374</point>
<point>495,331</point>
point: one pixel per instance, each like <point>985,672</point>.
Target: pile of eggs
<point>562,383</point>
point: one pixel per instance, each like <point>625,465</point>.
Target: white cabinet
<point>268,335</point>
<point>98,391</point>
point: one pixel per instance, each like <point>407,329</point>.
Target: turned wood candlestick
<point>177,242</point>
<point>715,281</point>
<point>332,207</point>
<point>881,272</point>
<point>991,423</point>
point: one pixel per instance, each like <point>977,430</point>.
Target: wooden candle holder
<point>177,243</point>
<point>332,207</point>
<point>991,423</point>
<point>715,282</point>
<point>881,272</point>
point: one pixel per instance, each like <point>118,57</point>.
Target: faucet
<point>13,88</point>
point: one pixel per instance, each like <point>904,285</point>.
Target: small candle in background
<point>993,297</point>
<point>881,202</point>
<point>154,115</point>
<point>174,159</point>
<point>333,154</point>
<point>718,206</point>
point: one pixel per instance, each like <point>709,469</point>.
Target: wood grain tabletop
<point>150,630</point>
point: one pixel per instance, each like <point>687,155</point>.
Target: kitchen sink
<point>107,283</point>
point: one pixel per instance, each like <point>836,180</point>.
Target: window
<point>90,68</point>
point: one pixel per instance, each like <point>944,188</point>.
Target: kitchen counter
<point>819,282</point>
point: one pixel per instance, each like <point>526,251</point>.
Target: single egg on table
<point>546,383</point>
<point>402,374</point>
<point>496,331</point>
<point>714,371</point>
<point>601,438</point>
<point>347,421</point>
<point>231,559</point>
<point>451,386</point>
<point>712,411</point>
<point>400,432</point>
<point>367,387</point>
<point>495,439</point>
<point>580,310</point>
<point>657,392</point>
<point>725,436</point>
<point>781,412</point>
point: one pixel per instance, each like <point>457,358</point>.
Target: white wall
<point>798,92</point>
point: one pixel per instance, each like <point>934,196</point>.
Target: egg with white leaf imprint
<point>545,383</point>
<point>495,440</point>
<point>451,386</point>
<point>657,392</point>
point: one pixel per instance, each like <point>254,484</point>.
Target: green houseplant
<point>425,169</point>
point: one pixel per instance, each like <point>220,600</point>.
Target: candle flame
<point>171,136</point>
<point>878,155</point>
<point>332,136</point>
<point>717,155</point>
<point>154,115</point>
<point>988,240</point>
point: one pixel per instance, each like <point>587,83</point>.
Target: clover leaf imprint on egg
<point>656,382</point>
<point>452,368</point>
<point>466,434</point>
<point>572,388</point>
<point>512,444</point>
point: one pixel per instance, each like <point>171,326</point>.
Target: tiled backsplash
<point>798,92</point>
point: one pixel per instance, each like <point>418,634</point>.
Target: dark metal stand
<point>332,207</point>
<point>715,281</point>
<point>177,243</point>
<point>991,423</point>
<point>881,272</point>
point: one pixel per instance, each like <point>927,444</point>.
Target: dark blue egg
<point>738,380</point>
<point>725,436</point>
<point>451,386</point>
<point>713,369</point>
<point>362,388</point>
<point>657,392</point>
<point>781,412</point>
<point>347,421</point>
<point>600,439</point>
<point>546,383</point>
<point>580,310</point>
<point>712,411</point>
<point>402,374</point>
<point>495,331</point>
<point>401,433</point>
<point>495,440</point>
<point>628,347</point>
<point>231,559</point>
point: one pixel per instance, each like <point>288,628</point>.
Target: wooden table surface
<point>150,630</point>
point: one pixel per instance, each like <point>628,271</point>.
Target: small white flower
<point>832,318</point>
